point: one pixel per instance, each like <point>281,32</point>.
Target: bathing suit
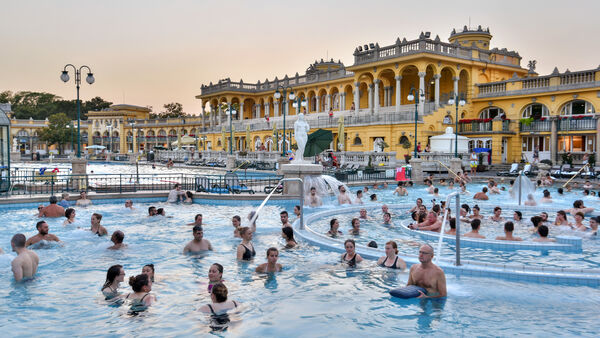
<point>393,266</point>
<point>219,322</point>
<point>247,253</point>
<point>351,262</point>
<point>137,305</point>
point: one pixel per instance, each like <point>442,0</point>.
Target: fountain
<point>522,188</point>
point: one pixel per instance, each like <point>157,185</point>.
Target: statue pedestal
<point>230,163</point>
<point>455,165</point>
<point>79,172</point>
<point>417,170</point>
<point>280,162</point>
<point>298,170</point>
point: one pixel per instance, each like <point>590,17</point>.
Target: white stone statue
<point>301,129</point>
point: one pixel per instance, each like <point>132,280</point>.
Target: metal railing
<point>577,124</point>
<point>474,127</point>
<point>367,175</point>
<point>535,126</point>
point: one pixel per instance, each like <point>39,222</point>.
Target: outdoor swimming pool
<point>313,296</point>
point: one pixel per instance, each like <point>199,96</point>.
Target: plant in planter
<point>407,158</point>
<point>526,121</point>
<point>406,145</point>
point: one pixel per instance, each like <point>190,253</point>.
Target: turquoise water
<point>313,296</point>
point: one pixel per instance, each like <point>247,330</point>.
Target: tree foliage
<point>57,132</point>
<point>172,110</point>
<point>40,105</point>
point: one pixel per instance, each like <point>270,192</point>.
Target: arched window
<point>537,110</point>
<point>403,140</point>
<point>357,141</point>
<point>577,107</point>
<point>490,113</point>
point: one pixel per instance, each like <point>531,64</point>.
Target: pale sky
<point>149,53</point>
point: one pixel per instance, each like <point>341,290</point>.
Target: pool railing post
<point>520,185</point>
<point>120,184</point>
<point>457,221</point>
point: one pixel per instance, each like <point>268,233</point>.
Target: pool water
<point>313,296</point>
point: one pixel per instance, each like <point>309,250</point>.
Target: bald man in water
<point>26,263</point>
<point>428,275</point>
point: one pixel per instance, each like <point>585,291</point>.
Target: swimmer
<point>497,216</point>
<point>53,209</point>
<point>427,275</point>
<point>530,200</point>
<point>579,226</point>
<point>452,230</point>
<point>152,211</point>
<point>517,216</point>
<point>245,250</point>
<point>431,223</point>
<point>544,217</point>
<point>198,244</point>
<point>219,307</point>
<point>355,227</point>
<point>141,286</point>
<point>400,190</point>
<point>283,216</point>
<point>117,239</point>
<point>579,207</point>
<point>384,209</point>
<point>363,214</point>
<point>358,199</point>
<point>188,198</point>
<point>334,225</point>
<point>83,201</point>
<point>384,185</point>
<point>64,202</point>
<point>481,195</point>
<point>26,263</point>
<point>436,192</point>
<point>509,227</point>
<point>313,199</point>
<point>96,228</point>
<point>350,257</point>
<point>148,270</point>
<point>288,235</point>
<point>418,205</point>
<point>451,185</point>
<point>561,219</point>
<point>476,214</point>
<point>176,194</point>
<point>297,211</point>
<point>373,197</point>
<point>129,205</point>
<point>546,198</point>
<point>594,226</point>
<point>114,276</point>
<point>215,275</point>
<point>387,219</point>
<point>543,232</point>
<point>43,235</point>
<point>474,233</point>
<point>391,257</point>
<point>271,265</point>
<point>197,220</point>
<point>430,186</point>
<point>343,198</point>
<point>236,221</point>
<point>161,212</point>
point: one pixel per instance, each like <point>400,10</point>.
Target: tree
<point>57,131</point>
<point>95,104</point>
<point>173,110</point>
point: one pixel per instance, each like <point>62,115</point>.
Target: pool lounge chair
<point>233,184</point>
<point>514,171</point>
<point>204,184</point>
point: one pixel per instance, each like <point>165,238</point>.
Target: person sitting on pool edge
<point>42,235</point>
<point>26,263</point>
<point>350,257</point>
<point>474,233</point>
<point>271,265</point>
<point>198,244</point>
<point>391,256</point>
<point>427,275</point>
<point>509,227</point>
<point>83,201</point>
<point>53,209</point>
<point>176,194</point>
<point>117,239</point>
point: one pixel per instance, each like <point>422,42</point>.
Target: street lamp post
<point>89,79</point>
<point>455,101</point>
<point>203,138</point>
<point>132,123</point>
<point>71,127</point>
<point>415,94</point>
<point>231,112</point>
<point>277,96</point>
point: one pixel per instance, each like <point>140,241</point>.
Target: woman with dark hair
<point>236,221</point>
<point>219,319</point>
<point>288,234</point>
<point>140,297</point>
<point>161,212</point>
<point>215,275</point>
<point>334,225</point>
<point>391,256</point>
<point>561,219</point>
<point>271,265</point>
<point>70,215</point>
<point>148,270</point>
<point>476,214</point>
<point>189,198</point>
<point>245,251</point>
<point>114,276</point>
<point>351,257</point>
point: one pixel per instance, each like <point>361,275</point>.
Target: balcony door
<point>530,143</point>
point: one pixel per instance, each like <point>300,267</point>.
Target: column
<point>455,79</point>
<point>376,95</point>
<point>385,96</point>
<point>597,148</point>
<point>328,102</point>
<point>421,88</point>
<point>343,101</point>
<point>398,93</point>
<point>241,113</point>
<point>203,117</point>
<point>218,114</point>
<point>370,98</point>
<point>356,96</point>
<point>276,108</point>
<point>553,139</point>
<point>267,113</point>
<point>318,104</point>
<point>437,90</point>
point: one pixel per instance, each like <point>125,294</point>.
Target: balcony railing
<point>586,123</point>
<point>475,127</point>
<point>535,126</point>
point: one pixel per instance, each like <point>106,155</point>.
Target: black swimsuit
<point>351,262</point>
<point>393,266</point>
<point>247,253</point>
<point>219,322</point>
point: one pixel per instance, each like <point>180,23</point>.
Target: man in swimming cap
<point>26,263</point>
<point>427,275</point>
<point>42,235</point>
<point>198,244</point>
<point>53,209</point>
